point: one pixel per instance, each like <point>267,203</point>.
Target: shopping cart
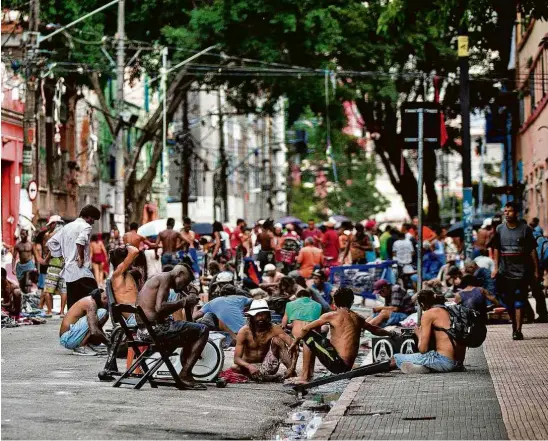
<point>361,278</point>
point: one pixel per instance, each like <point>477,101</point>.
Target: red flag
<point>444,137</point>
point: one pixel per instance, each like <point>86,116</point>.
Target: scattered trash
<point>312,426</point>
<point>302,416</point>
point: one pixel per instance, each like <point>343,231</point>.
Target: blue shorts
<point>432,360</point>
<point>73,338</point>
<point>131,321</point>
<point>41,281</point>
<point>169,259</point>
<point>394,320</point>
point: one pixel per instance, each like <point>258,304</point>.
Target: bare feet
<point>297,380</point>
<point>289,374</point>
<point>190,383</point>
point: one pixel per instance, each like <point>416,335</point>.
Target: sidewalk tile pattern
<point>519,370</point>
<point>434,406</point>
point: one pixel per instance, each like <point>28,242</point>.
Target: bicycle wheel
<point>210,363</point>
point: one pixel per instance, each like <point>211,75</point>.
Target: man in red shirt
<point>427,233</point>
<point>236,235</point>
<point>312,232</point>
<point>330,243</point>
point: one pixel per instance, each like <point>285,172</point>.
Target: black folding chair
<point>152,347</point>
<point>116,339</point>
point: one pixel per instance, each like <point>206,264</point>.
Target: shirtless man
<point>187,235</point>
<point>298,314</point>
<point>339,353</point>
<point>135,239</point>
<point>191,337</point>
<point>485,233</point>
<point>268,245</point>
<point>11,296</point>
<point>123,283</point>
<point>25,251</point>
<point>442,356</point>
<point>171,242</point>
<point>81,328</point>
<point>260,346</point>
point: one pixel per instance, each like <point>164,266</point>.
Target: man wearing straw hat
<point>261,346</point>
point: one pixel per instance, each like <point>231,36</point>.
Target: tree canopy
<point>381,53</point>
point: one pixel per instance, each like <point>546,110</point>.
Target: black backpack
<point>467,326</point>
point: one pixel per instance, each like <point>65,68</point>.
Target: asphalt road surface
<point>48,393</point>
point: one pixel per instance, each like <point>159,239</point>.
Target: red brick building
<point>532,137</point>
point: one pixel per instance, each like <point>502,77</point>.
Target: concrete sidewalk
<point>520,375</point>
<point>435,406</point>
<point>503,395</point>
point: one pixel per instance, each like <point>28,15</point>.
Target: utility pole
<point>271,194</point>
<point>222,154</point>
<point>482,172</point>
<point>29,115</point>
<point>119,205</point>
<point>467,202</point>
<point>185,159</point>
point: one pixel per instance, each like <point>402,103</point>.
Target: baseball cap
<point>225,277</point>
<point>487,223</point>
<point>318,273</point>
<point>380,284</point>
<point>54,218</point>
<point>270,267</point>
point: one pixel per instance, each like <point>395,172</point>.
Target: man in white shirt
<point>403,250</point>
<point>72,243</point>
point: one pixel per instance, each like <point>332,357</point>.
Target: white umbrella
<point>156,227</point>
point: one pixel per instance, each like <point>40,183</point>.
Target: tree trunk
<point>388,147</point>
<point>96,84</point>
<point>430,175</point>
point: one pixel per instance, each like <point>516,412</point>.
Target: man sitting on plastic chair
<point>191,337</point>
<point>339,353</point>
<point>124,287</point>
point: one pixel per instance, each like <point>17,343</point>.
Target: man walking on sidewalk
<point>72,244</point>
<point>516,265</point>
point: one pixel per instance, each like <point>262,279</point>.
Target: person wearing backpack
<point>516,266</point>
<point>474,296</point>
<point>437,352</point>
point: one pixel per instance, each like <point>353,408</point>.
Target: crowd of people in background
<point>274,272</point>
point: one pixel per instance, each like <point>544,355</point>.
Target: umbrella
<point>290,220</point>
<point>203,228</point>
<point>457,229</point>
<point>155,227</point>
<point>339,218</point>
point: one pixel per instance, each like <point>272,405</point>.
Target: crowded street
<point>234,220</point>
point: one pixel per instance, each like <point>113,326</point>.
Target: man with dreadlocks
<point>261,346</point>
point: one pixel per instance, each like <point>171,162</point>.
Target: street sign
<point>410,124</point>
<point>32,189</point>
<point>421,124</point>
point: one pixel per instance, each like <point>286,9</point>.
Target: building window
<point>532,90</point>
